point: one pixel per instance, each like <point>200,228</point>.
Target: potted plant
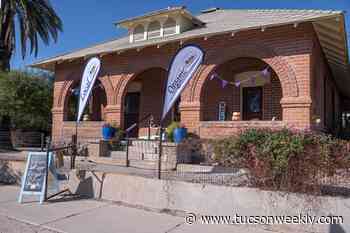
<point>108,131</point>
<point>170,130</point>
<point>180,133</point>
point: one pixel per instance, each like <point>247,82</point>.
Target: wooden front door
<point>132,112</point>
<point>252,103</point>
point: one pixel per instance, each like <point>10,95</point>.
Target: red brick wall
<point>152,93</point>
<point>88,131</point>
<point>323,92</point>
<point>272,95</point>
<point>226,128</point>
<point>289,51</point>
<point>153,83</point>
<point>214,93</point>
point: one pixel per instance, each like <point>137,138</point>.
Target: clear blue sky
<point>87,22</point>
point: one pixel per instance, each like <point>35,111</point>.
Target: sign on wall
<point>222,111</point>
<point>184,65</point>
<point>89,77</point>
<point>34,178</point>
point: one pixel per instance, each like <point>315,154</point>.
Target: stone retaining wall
<point>178,196</point>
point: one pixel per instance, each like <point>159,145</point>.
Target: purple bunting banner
<point>224,83</point>
<point>265,73</point>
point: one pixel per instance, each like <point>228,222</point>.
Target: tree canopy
<point>26,100</point>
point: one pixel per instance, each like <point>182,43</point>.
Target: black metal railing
<point>20,139</point>
<point>149,118</point>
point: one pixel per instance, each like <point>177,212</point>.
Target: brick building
<point>305,52</point>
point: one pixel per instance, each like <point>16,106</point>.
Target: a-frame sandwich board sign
<point>34,178</point>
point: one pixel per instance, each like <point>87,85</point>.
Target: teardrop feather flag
<point>89,77</point>
<point>184,65</point>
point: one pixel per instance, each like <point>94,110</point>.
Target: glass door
<point>252,103</point>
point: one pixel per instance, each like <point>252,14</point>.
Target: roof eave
<point>43,64</point>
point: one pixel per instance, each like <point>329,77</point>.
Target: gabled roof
<point>329,26</point>
<point>170,10</point>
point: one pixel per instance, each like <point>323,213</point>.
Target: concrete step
<point>144,143</point>
<point>147,150</point>
<point>136,155</point>
<point>118,154</point>
<point>142,164</point>
<point>144,146</point>
<point>110,160</point>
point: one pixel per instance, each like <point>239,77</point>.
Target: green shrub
<point>201,150</point>
<point>170,130</point>
<point>119,133</point>
<point>284,159</point>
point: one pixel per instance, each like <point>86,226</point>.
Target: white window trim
<point>160,30</point>
<point>146,27</point>
<point>177,27</point>
<point>170,34</point>
<point>132,34</point>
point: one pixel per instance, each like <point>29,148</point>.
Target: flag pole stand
<point>161,130</point>
<point>74,146</point>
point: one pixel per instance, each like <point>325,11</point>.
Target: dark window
<point>94,109</point>
<point>139,33</point>
<point>252,103</point>
<point>132,111</point>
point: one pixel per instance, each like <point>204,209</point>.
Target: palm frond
<point>36,19</point>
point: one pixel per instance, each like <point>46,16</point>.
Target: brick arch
<point>122,85</point>
<point>64,95</point>
<point>216,58</point>
<point>108,87</point>
<point>126,79</point>
<point>63,92</point>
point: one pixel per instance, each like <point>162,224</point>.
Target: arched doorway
<point>143,97</point>
<point>94,110</point>
<point>244,89</point>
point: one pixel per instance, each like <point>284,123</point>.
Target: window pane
<point>139,33</point>
<point>154,29</point>
<point>169,27</point>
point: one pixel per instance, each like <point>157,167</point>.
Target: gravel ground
<point>8,225</point>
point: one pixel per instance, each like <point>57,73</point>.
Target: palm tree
<point>35,19</point>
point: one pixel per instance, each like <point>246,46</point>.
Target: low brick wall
<point>176,153</point>
<point>215,129</point>
<point>91,130</point>
<point>173,153</point>
<point>87,131</point>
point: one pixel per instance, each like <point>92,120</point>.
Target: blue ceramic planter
<point>179,134</point>
<point>108,132</point>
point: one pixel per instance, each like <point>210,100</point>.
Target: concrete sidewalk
<point>90,216</point>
